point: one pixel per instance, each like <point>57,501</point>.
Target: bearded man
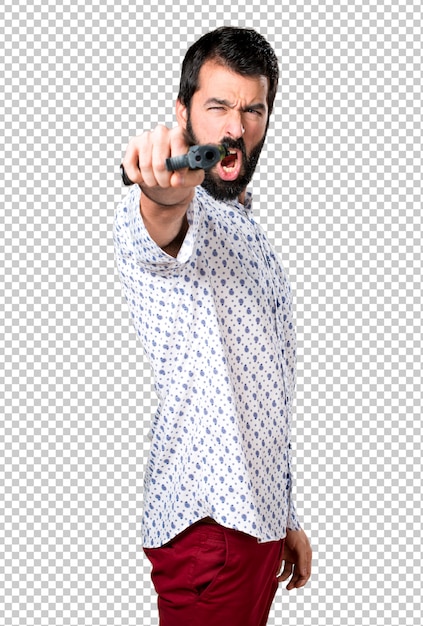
<point>212,307</point>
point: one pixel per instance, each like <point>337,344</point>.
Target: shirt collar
<point>246,207</point>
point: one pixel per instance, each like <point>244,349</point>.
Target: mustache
<point>236,144</point>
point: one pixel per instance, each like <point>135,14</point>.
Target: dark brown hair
<point>242,50</point>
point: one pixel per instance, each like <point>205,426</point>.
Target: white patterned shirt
<point>216,325</point>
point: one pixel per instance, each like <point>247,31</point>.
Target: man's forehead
<point>221,80</point>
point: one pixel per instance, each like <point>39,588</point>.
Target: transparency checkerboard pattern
<point>339,192</point>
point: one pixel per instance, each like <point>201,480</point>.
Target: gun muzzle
<point>198,157</point>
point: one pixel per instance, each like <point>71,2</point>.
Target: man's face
<point>230,108</point>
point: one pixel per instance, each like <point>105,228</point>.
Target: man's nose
<point>234,125</point>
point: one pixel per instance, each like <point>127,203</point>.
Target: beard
<point>229,189</point>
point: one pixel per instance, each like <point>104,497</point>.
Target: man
<point>212,307</point>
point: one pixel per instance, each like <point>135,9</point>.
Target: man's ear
<point>181,114</point>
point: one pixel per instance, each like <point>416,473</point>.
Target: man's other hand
<point>296,559</point>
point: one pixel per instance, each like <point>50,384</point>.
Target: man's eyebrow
<point>258,106</point>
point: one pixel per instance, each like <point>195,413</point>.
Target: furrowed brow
<point>219,102</point>
<point>258,106</point>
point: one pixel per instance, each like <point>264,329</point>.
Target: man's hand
<point>296,559</point>
<point>144,163</point>
<point>165,195</point>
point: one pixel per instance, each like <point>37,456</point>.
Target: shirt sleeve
<point>289,346</point>
<point>290,354</point>
<point>133,243</point>
<point>293,521</point>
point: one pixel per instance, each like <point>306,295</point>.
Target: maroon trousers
<point>213,576</point>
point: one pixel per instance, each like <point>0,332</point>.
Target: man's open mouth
<point>229,162</point>
<point>229,168</point>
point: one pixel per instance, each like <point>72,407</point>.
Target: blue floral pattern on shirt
<point>216,325</point>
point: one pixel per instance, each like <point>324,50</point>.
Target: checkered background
<point>338,191</point>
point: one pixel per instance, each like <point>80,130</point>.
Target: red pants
<point>213,576</point>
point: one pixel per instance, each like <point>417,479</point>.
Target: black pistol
<point>198,157</point>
